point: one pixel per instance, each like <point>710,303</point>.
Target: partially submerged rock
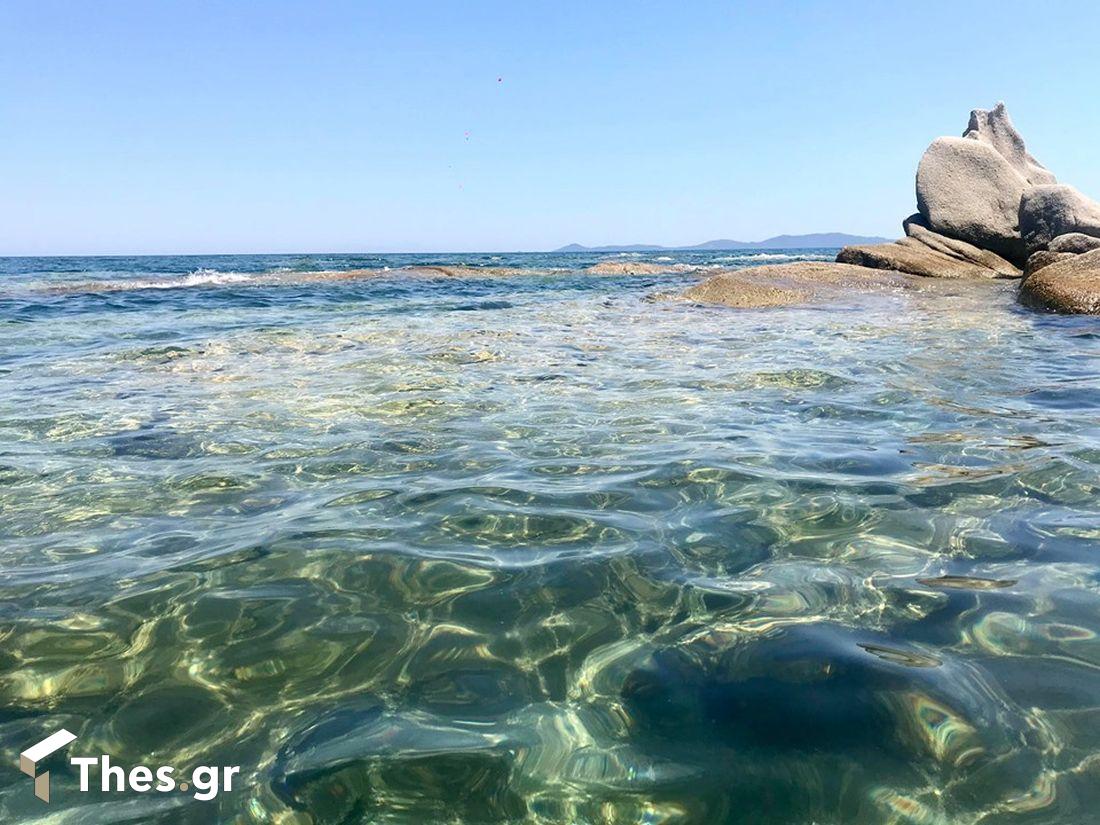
<point>1056,209</point>
<point>987,208</point>
<point>788,284</point>
<point>636,268</point>
<point>967,190</point>
<point>1070,284</point>
<point>914,258</point>
<point>1043,258</point>
<point>994,128</point>
<point>930,255</point>
<point>918,230</point>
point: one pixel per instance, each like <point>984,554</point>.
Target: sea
<point>526,538</point>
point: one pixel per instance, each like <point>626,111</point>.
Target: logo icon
<point>29,759</point>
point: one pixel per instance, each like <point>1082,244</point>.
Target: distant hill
<point>817,239</point>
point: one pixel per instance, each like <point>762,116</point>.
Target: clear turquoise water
<point>545,547</point>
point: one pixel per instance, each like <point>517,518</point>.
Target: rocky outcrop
<point>916,229</point>
<point>788,284</point>
<point>1056,209</point>
<point>635,268</point>
<point>1074,242</point>
<point>914,258</point>
<point>994,128</point>
<point>1042,258</point>
<point>967,190</point>
<point>986,210</point>
<point>1070,284</point>
<point>930,255</point>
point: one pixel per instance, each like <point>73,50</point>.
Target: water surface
<point>545,547</point>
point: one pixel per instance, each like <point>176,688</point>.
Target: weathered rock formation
<point>1056,209</point>
<point>987,207</point>
<point>1074,242</point>
<point>931,255</point>
<point>1069,284</point>
<point>968,190</point>
<point>805,282</point>
<point>636,268</point>
<point>994,128</point>
<point>1040,259</point>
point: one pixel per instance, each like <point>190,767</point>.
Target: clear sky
<point>158,126</point>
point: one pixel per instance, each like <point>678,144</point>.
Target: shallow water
<point>545,548</point>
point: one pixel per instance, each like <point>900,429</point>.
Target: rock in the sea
<point>1043,258</point>
<point>967,190</point>
<point>916,229</point>
<point>914,258</point>
<point>994,127</point>
<point>787,284</point>
<point>1074,242</point>
<point>1070,284</point>
<point>636,268</point>
<point>930,255</point>
<point>1056,209</point>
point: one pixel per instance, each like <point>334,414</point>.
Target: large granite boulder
<point>804,282</point>
<point>930,255</point>
<point>967,190</point>
<point>1070,284</point>
<point>994,128</point>
<point>1056,209</point>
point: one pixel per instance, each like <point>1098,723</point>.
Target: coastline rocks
<point>930,255</point>
<point>1056,209</point>
<point>1074,242</point>
<point>967,190</point>
<point>788,284</point>
<point>986,209</point>
<point>994,128</point>
<point>1042,258</point>
<point>914,258</point>
<point>915,228</point>
<point>1070,284</point>
<point>635,268</point>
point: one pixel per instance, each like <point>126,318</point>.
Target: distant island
<point>815,240</point>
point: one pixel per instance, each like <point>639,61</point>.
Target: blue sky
<point>133,127</point>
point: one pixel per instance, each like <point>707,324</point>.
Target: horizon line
<point>557,250</point>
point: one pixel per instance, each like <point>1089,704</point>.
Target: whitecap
<point>200,277</point>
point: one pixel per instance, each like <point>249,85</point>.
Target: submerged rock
<point>994,128</point>
<point>788,284</point>
<point>1070,284</point>
<point>967,190</point>
<point>966,582</point>
<point>636,268</point>
<point>1047,212</point>
<point>819,688</point>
